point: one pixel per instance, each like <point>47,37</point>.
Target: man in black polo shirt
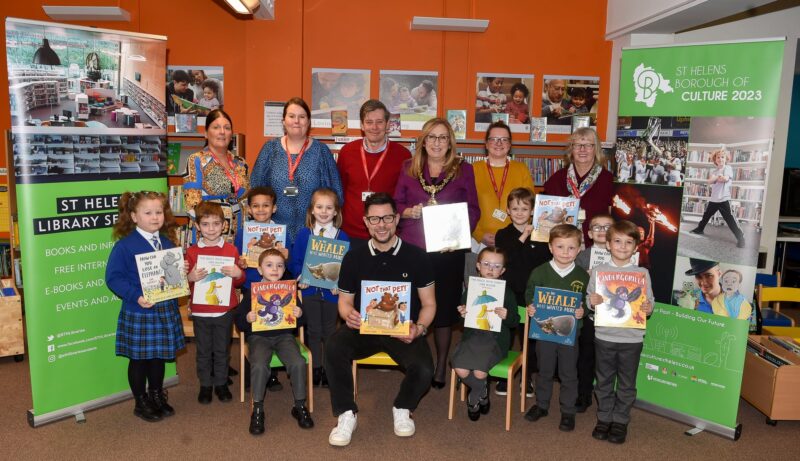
<point>384,258</point>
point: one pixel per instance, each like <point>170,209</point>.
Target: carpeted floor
<point>219,431</point>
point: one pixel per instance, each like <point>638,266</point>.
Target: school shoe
<point>303,417</point>
<point>474,411</point>
<point>529,389</point>
<point>617,433</point>
<point>535,413</point>
<point>257,420</point>
<point>403,424</point>
<point>343,432</point>
<point>567,423</point>
<point>696,231</point>
<point>582,403</point>
<point>223,393</point>
<point>204,396</point>
<point>159,399</point>
<point>273,385</point>
<point>501,388</point>
<point>600,431</point>
<point>144,409</point>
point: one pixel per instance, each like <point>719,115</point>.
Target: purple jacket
<point>409,193</point>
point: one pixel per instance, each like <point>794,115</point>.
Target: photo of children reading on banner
<point>337,89</point>
<point>505,97</point>
<point>564,97</point>
<point>652,150</point>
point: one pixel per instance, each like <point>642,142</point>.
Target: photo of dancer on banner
<point>652,150</point>
<point>564,97</point>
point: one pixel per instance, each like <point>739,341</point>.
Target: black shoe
<point>567,423</point>
<point>144,409</point>
<point>159,399</point>
<point>529,392</point>
<point>617,433</point>
<point>303,417</point>
<point>437,384</point>
<point>582,403</point>
<point>484,403</point>
<point>273,385</point>
<point>317,376</point>
<point>257,421</point>
<point>535,413</point>
<point>204,396</point>
<point>474,411</point>
<point>501,388</point>
<point>324,381</point>
<point>223,393</point>
<point>696,231</point>
<point>600,431</point>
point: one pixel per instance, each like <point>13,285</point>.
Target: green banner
<point>692,363</point>
<point>730,79</point>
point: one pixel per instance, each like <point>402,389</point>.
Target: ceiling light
<point>260,9</point>
<point>45,55</point>
<point>449,24</point>
<point>86,13</point>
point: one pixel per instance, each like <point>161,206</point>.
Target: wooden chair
<point>380,359</point>
<point>515,360</point>
<point>776,295</point>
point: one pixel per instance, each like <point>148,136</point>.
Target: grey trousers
<point>285,346</point>
<point>212,336</point>
<point>321,319</point>
<point>548,355</point>
<point>616,363</point>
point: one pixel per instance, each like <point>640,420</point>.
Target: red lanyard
<point>497,192</point>
<point>384,153</point>
<point>293,167</point>
<point>232,177</point>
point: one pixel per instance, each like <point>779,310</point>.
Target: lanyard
<point>228,172</point>
<point>497,192</point>
<point>293,167</point>
<point>377,165</point>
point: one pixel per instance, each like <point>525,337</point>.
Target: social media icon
<point>51,348</point>
<point>50,337</point>
<point>51,358</point>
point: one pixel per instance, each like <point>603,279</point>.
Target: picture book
<point>385,308</point>
<point>393,128</point>
<point>483,296</point>
<point>555,320</point>
<point>550,211</point>
<point>273,303</point>
<point>500,117</point>
<point>603,256</point>
<point>446,226</point>
<point>215,288</point>
<point>322,261</point>
<point>581,121</point>
<point>538,129</point>
<point>185,123</point>
<point>190,106</point>
<point>623,294</point>
<point>173,157</point>
<point>458,120</point>
<point>258,237</point>
<point>338,123</point>
<point>162,275</point>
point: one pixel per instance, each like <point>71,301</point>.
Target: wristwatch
<point>421,326</point>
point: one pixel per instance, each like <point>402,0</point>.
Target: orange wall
<point>272,60</point>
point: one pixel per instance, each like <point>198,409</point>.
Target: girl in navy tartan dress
<point>148,334</point>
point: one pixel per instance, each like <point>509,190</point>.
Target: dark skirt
<point>477,351</point>
<point>155,334</point>
<point>448,271</point>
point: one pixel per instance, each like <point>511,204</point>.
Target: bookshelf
<point>147,102</point>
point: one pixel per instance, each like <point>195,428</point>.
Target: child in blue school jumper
<point>148,334</point>
<point>323,219</point>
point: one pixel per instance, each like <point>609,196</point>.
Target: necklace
<point>434,189</point>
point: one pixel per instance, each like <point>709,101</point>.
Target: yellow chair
<point>380,359</point>
<point>767,295</point>
<point>507,368</point>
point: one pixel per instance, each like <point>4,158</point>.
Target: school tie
<point>321,232</point>
<point>156,243</point>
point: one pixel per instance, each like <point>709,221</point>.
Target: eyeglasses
<point>598,228</point>
<point>488,265</point>
<point>583,146</point>
<point>433,139</point>
<point>497,140</point>
<point>388,219</point>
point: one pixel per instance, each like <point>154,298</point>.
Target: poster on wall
<point>338,89</point>
<point>565,97</point>
<point>504,97</point>
<point>195,90</point>
<point>725,95</point>
<point>88,123</point>
<point>412,94</point>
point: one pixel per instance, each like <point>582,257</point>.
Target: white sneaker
<point>343,432</point>
<point>403,424</point>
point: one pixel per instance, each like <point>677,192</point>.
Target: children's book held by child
<point>555,315</point>
<point>273,303</point>
<point>603,256</point>
<point>623,294</point>
<point>322,261</point>
<point>162,275</point>
<point>385,308</point>
<point>483,296</point>
<point>446,226</point>
<point>215,288</point>
<point>259,237</point>
<point>550,211</point>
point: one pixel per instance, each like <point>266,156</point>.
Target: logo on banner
<point>647,82</point>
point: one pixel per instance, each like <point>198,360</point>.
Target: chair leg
<point>452,394</point>
<point>509,398</point>
<point>241,366</point>
<point>310,383</point>
<point>523,388</point>
<point>355,380</point>
<point>463,392</point>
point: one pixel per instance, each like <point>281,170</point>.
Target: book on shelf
<point>550,211</point>
<point>162,275</point>
<point>483,297</point>
<point>176,199</point>
<point>185,123</point>
<point>173,157</point>
<point>322,261</point>
<point>458,120</point>
<point>338,123</point>
<point>258,237</point>
<point>394,126</point>
<point>755,347</point>
<point>786,343</point>
<point>273,303</point>
<point>538,129</point>
<point>623,294</point>
<point>385,308</point>
<point>555,320</point>
<point>215,288</point>
<point>446,227</point>
<point>581,121</point>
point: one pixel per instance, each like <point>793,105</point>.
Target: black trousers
<point>724,209</point>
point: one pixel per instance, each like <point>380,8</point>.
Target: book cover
<point>555,315</point>
<point>550,211</point>
<point>339,123</point>
<point>458,120</point>
<point>446,227</point>
<point>385,308</point>
<point>500,117</point>
<point>322,261</point>
<point>173,157</point>
<point>483,296</point>
<point>162,275</point>
<point>580,121</point>
<point>393,127</point>
<point>190,106</point>
<point>539,129</point>
<point>603,256</point>
<point>185,123</point>
<point>273,303</point>
<point>623,294</point>
<point>258,237</point>
<point>215,288</point>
